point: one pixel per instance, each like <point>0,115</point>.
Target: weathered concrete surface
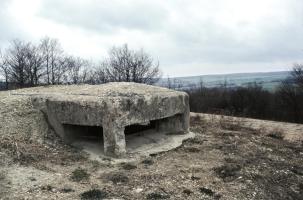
<point>112,106</point>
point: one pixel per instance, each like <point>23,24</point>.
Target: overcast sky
<point>190,37</point>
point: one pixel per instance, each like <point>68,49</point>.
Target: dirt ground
<point>226,160</point>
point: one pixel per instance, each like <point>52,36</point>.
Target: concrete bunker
<point>114,113</point>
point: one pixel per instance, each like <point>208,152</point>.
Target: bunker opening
<point>84,136</point>
<point>137,128</point>
<point>152,132</point>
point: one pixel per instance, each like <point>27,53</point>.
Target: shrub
<point>79,175</point>
<point>228,172</point>
<point>156,195</point>
<point>277,134</point>
<point>94,194</point>
<point>118,178</point>
<point>206,191</point>
<point>128,166</point>
<point>148,162</point>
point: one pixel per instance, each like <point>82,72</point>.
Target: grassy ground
<point>224,161</point>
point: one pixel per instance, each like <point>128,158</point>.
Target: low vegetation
<point>118,178</point>
<point>94,194</point>
<point>277,134</point>
<point>156,196</point>
<point>128,166</point>
<point>79,174</point>
<point>148,162</point>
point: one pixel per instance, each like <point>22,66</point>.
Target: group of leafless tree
<point>282,104</point>
<point>291,93</point>
<point>24,64</point>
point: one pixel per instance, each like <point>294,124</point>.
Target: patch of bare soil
<point>225,160</point>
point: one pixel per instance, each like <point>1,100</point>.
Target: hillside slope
<point>230,158</point>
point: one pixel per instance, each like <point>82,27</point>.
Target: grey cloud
<point>213,43</point>
<point>104,16</point>
<point>9,27</point>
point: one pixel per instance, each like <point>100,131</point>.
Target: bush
<point>277,134</point>
<point>79,175</point>
<point>118,178</point>
<point>157,195</point>
<point>228,172</point>
<point>94,194</point>
<point>148,162</point>
<point>206,191</point>
<point>128,166</point>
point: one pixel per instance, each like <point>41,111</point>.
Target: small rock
<point>138,190</point>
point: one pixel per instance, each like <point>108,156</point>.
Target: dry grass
<point>231,123</point>
<point>27,152</point>
<point>197,119</point>
<point>4,183</point>
<point>276,133</point>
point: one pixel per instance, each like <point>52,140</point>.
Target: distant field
<point>269,80</point>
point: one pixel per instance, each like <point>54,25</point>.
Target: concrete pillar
<point>176,123</point>
<point>185,118</point>
<point>186,115</point>
<point>114,140</point>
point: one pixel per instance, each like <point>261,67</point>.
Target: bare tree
<point>96,75</point>
<point>16,58</point>
<point>52,55</point>
<point>290,99</point>
<point>131,66</point>
<point>23,64</point>
<point>34,67</point>
<point>290,92</point>
<point>4,69</point>
<point>169,84</point>
<point>297,75</point>
<point>77,70</point>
